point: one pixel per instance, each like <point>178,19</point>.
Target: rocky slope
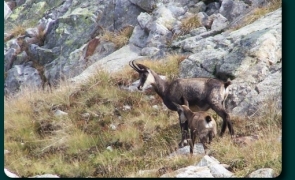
<point>61,39</point>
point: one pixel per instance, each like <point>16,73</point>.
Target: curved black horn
<point>135,65</point>
<point>130,64</point>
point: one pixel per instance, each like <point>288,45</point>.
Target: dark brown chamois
<point>201,124</point>
<point>200,93</point>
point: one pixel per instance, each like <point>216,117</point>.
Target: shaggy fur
<point>200,124</point>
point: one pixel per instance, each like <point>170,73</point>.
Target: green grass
<point>76,145</point>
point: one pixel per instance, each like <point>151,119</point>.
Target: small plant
<point>17,30</point>
<point>40,35</point>
<point>189,23</point>
<point>120,38</point>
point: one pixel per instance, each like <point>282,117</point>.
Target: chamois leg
<point>210,136</point>
<point>192,142</point>
<point>184,133</point>
<point>218,108</point>
<point>203,141</point>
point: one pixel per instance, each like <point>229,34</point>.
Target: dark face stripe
<point>143,77</point>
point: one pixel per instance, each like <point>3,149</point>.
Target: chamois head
<point>182,108</point>
<point>145,75</point>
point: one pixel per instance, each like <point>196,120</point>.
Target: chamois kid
<point>200,124</point>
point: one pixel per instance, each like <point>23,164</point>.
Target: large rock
<point>71,43</point>
<point>143,19</point>
<point>262,173</point>
<point>9,58</point>
<point>68,26</point>
<point>201,64</point>
<point>212,8</point>
<point>23,13</point>
<point>164,16</point>
<point>231,9</point>
<point>207,160</point>
<point>10,174</point>
<point>198,7</point>
<point>111,63</point>
<point>138,37</point>
<point>219,22</point>
<point>216,169</point>
<point>125,14</point>
<point>250,56</point>
<point>71,31</point>
<point>146,5</point>
<point>207,167</point>
<point>22,76</point>
<point>7,10</point>
<point>45,176</point>
<point>198,149</point>
<point>191,171</point>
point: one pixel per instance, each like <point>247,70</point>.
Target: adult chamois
<point>201,124</point>
<point>200,93</point>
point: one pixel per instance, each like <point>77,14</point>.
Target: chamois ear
<point>208,119</point>
<point>179,108</point>
<point>184,101</point>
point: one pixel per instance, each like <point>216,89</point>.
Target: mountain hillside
<point>72,108</point>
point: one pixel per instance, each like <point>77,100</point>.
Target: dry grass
<point>76,145</point>
<point>256,14</point>
<point>168,67</point>
<point>189,23</point>
<point>17,30</point>
<point>119,38</point>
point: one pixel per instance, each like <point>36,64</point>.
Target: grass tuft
<point>189,23</point>
<point>119,38</point>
